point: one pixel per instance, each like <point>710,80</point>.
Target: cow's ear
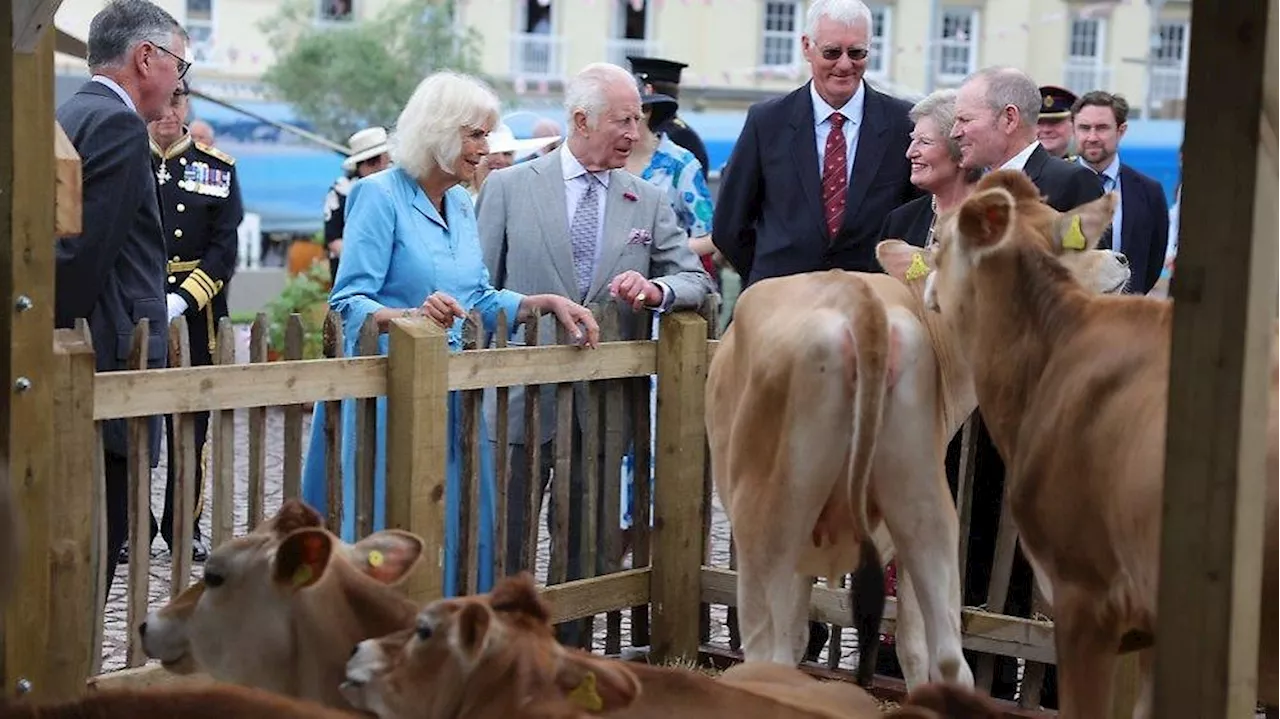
<point>471,632</point>
<point>906,262</point>
<point>302,558</point>
<point>387,556</point>
<point>1082,228</point>
<point>596,685</point>
<point>985,219</point>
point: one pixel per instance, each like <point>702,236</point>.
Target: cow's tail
<point>870,355</point>
<point>871,348</point>
<point>866,594</point>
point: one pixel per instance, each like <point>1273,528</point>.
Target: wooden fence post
<point>73,552</point>
<point>676,581</point>
<point>27,216</point>
<point>417,445</point>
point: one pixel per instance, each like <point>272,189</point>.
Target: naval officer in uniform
<point>201,208</point>
<point>1053,127</point>
<point>664,76</point>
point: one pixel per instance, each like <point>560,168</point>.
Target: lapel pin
<point>630,196</point>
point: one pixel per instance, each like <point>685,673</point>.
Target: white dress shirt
<point>115,87</point>
<point>852,111</point>
<point>1112,172</point>
<point>1019,161</point>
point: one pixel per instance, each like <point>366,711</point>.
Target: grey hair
<point>588,91</point>
<point>121,25</point>
<point>1011,86</point>
<point>428,133</point>
<point>844,12</point>
<point>939,106</point>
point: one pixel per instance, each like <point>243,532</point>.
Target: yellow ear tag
<point>301,575</point>
<point>586,696</point>
<point>375,558</point>
<point>918,268</point>
<point>1074,239</point>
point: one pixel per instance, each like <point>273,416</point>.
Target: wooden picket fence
<point>644,588</point>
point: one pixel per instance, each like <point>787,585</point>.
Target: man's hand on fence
<point>442,309</point>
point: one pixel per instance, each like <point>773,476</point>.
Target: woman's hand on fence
<point>442,309</point>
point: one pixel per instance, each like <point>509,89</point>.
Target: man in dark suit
<point>997,109</point>
<point>1140,228</point>
<point>664,76</point>
<point>815,172</point>
<point>113,272</point>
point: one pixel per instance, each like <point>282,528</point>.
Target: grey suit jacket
<point>113,272</point>
<point>524,234</point>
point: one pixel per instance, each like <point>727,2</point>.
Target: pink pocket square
<point>639,236</point>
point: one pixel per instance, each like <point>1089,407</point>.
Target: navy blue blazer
<point>768,218</point>
<point>113,273</point>
<point>1144,228</point>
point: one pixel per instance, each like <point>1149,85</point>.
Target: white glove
<point>177,305</point>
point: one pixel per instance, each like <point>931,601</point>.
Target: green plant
<point>307,294</point>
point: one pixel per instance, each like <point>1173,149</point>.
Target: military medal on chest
<point>204,180</point>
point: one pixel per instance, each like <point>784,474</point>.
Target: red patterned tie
<point>834,179</point>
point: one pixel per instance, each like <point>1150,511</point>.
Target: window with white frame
<point>1169,60</point>
<point>958,45</point>
<point>782,29</point>
<point>200,30</point>
<point>335,10</point>
<point>1086,67</point>
<point>881,42</point>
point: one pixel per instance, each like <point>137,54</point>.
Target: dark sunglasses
<point>831,54</point>
<point>183,65</point>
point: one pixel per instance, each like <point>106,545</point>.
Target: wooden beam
<point>1217,483</point>
<point>26,349</point>
<point>980,631</point>
<point>589,597</point>
<point>69,203</point>
<point>677,538</point>
<point>30,19</point>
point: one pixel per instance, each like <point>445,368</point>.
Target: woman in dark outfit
<point>935,168</point>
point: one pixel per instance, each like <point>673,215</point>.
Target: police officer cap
<point>1055,102</point>
<point>657,70</point>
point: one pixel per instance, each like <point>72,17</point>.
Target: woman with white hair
<point>411,249</point>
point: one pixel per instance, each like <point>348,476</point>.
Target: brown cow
<point>281,608</point>
<point>218,701</point>
<point>1075,399</point>
<point>829,405</point>
<point>495,657</point>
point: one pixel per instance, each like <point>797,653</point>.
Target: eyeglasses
<point>183,65</point>
<point>832,54</point>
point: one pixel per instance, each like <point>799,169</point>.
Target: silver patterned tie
<point>582,233</point>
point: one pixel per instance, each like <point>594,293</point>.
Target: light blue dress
<point>396,251</point>
<point>676,171</point>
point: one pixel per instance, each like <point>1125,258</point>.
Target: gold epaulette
<point>215,152</point>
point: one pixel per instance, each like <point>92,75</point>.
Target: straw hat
<point>501,139</point>
<point>365,144</point>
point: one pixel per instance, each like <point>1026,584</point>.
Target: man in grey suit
<point>113,272</point>
<point>574,223</point>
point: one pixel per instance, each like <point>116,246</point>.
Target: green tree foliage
<point>342,77</point>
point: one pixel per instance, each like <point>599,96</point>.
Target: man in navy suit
<point>1140,228</point>
<point>815,172</point>
<point>113,272</point>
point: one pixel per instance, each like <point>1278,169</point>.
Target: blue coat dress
<point>396,251</point>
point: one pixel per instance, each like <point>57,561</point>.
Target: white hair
<point>844,12</point>
<point>428,133</point>
<point>588,91</point>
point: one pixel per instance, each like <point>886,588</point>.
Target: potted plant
<point>305,252</point>
<point>306,294</point>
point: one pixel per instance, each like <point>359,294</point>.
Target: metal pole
<point>931,46</point>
